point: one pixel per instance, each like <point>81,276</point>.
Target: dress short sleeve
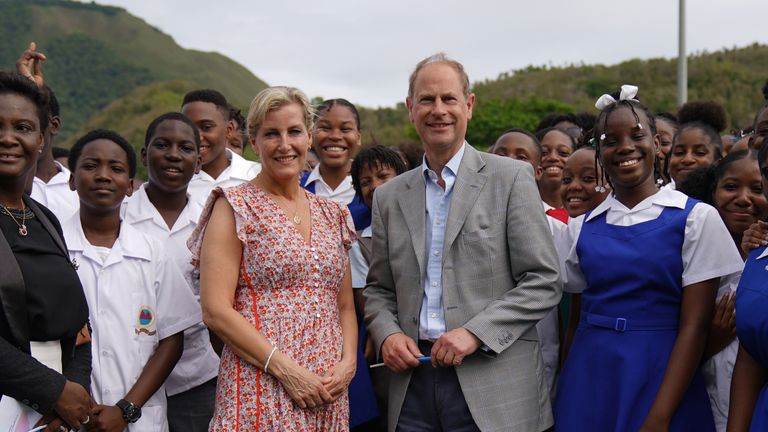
<point>236,196</point>
<point>708,249</point>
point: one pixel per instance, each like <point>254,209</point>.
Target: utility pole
<point>682,61</point>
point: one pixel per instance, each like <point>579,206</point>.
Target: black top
<point>56,305</point>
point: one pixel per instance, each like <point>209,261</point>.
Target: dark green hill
<point>98,54</point>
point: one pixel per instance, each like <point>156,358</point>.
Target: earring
<point>599,188</point>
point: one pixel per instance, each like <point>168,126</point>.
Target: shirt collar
<point>314,175</point>
<point>139,208</point>
<point>130,242</point>
<point>241,168</point>
<point>452,165</point>
<point>665,197</point>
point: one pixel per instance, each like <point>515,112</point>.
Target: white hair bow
<point>628,92</point>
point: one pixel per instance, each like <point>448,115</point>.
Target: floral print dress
<point>287,289</point>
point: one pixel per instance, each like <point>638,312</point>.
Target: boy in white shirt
<point>163,209</point>
<point>138,299</point>
<point>209,110</point>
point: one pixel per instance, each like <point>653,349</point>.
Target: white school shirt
<point>708,250</point>
<point>357,262</point>
<point>343,194</point>
<point>136,297</point>
<point>240,170</point>
<point>198,363</point>
<point>718,370</point>
<point>548,327</point>
<point>56,194</point>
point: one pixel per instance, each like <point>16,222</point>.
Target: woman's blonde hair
<point>273,98</point>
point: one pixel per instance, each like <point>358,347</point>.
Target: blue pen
<point>420,359</point>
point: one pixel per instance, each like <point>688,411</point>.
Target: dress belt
<point>621,324</point>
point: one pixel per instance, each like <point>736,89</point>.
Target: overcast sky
<point>364,50</point>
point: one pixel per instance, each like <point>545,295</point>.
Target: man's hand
<point>73,404</point>
<point>29,65</point>
<point>400,352</point>
<point>106,418</point>
<point>453,346</point>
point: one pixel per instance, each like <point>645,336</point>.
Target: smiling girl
<point>697,143</point>
<point>335,139</point>
<point>734,187</point>
<point>647,263</point>
<point>556,147</point>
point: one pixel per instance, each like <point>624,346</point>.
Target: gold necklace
<point>296,219</point>
<point>23,225</point>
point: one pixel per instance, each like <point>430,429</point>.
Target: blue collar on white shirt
<point>132,242</point>
<point>665,197</point>
<point>452,165</point>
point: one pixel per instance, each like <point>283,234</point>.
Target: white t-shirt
<point>240,170</point>
<point>198,363</point>
<point>708,249</point>
<point>136,298</point>
<point>56,194</point>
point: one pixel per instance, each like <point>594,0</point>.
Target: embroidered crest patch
<point>146,321</point>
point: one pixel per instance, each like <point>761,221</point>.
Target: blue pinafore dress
<point>628,326</point>
<point>752,324</point>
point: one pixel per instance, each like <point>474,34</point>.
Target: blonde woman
<point>275,284</point>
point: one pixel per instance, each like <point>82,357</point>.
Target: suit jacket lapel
<point>466,190</point>
<point>413,204</point>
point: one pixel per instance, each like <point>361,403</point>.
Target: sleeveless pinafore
<point>628,325</point>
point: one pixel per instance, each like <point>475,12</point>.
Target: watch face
<point>133,413</point>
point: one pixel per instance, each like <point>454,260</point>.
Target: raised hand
<point>29,65</point>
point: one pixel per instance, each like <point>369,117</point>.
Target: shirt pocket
<point>144,324</point>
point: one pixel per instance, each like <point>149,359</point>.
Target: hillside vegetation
<point>98,54</point>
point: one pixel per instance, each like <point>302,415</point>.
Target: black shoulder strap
<point>47,225</point>
<point>13,294</point>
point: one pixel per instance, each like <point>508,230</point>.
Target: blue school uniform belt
<point>621,324</point>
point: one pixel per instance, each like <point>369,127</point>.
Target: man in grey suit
<point>463,267</point>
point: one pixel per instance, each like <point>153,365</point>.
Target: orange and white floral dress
<point>287,289</point>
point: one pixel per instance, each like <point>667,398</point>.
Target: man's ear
<point>409,107</point>
<point>72,181</point>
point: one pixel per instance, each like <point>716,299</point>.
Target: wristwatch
<point>131,412</point>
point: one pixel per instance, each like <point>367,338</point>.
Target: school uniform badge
<point>146,321</point>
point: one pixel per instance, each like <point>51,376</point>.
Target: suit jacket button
<point>25,401</point>
<point>35,406</point>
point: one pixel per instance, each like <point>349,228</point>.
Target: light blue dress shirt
<point>432,316</point>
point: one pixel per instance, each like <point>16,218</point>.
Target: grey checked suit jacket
<point>500,277</point>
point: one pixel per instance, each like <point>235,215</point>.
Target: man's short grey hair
<point>440,57</point>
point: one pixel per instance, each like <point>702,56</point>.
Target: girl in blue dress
<point>647,263</point>
<point>749,388</point>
